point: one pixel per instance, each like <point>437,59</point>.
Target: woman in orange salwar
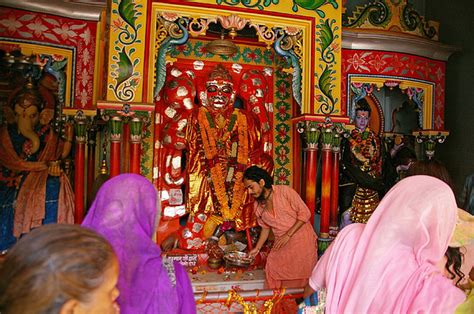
<point>280,209</point>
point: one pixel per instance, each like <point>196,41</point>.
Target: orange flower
<point>218,172</point>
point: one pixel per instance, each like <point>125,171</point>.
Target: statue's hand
<point>54,168</point>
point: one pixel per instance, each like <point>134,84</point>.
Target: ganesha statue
<point>219,140</point>
<point>33,189</point>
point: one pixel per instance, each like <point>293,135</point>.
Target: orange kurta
<point>292,264</point>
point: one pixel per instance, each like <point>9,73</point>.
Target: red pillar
<point>333,221</point>
<point>115,147</point>
<point>91,144</point>
<point>135,158</point>
<point>126,149</point>
<point>135,144</point>
<point>310,179</point>
<point>114,159</point>
<point>326,190</point>
<point>79,182</point>
<point>79,162</point>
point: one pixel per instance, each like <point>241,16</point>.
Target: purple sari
<point>125,213</point>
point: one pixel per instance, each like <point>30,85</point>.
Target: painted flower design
<point>37,27</point>
<point>87,36</point>
<point>86,56</point>
<point>85,77</point>
<point>282,176</point>
<point>65,32</point>
<point>282,155</point>
<point>358,62</point>
<point>377,63</point>
<point>12,24</point>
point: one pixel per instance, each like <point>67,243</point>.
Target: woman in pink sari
<point>125,212</point>
<point>390,264</point>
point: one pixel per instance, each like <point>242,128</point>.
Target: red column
<point>79,161</point>
<point>91,144</point>
<point>135,144</point>
<point>310,131</point>
<point>79,182</point>
<point>126,149</point>
<point>326,190</point>
<point>333,221</point>
<point>115,141</point>
<point>135,158</point>
<point>114,159</point>
<point>310,179</point>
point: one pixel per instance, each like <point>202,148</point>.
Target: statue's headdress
<point>26,96</point>
<point>220,73</point>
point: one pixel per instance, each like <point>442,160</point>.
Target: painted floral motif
<point>252,55</point>
<point>314,5</point>
<point>327,46</point>
<point>259,4</point>
<point>282,176</point>
<point>78,36</point>
<point>282,154</point>
<point>282,128</point>
<point>247,55</point>
<point>283,110</point>
<point>283,89</point>
<point>399,66</point>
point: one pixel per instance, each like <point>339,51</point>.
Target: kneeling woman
<point>280,209</point>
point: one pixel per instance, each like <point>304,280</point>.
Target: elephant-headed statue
<point>33,189</point>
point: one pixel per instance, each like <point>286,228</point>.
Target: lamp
<point>221,46</point>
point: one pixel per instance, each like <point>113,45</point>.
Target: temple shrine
<point>129,86</point>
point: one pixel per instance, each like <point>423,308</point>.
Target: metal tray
<point>236,258</point>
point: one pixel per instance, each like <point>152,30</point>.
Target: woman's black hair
<point>455,257</point>
<point>256,174</point>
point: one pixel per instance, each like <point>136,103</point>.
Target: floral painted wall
<point>396,66</point>
<point>54,31</point>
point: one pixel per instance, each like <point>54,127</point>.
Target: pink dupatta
<point>389,265</point>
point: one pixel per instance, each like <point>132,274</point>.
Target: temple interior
<point>189,94</point>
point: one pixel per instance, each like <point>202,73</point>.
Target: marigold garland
<point>217,169</point>
<point>360,143</point>
<point>251,307</point>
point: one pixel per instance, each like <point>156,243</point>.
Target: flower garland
<point>217,169</point>
<point>251,307</point>
<point>365,148</point>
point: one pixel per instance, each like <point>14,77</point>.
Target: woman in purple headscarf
<point>126,212</point>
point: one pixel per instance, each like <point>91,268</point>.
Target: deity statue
<point>220,141</point>
<point>361,168</point>
<point>33,189</point>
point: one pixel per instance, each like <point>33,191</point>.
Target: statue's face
<point>219,93</point>
<point>27,114</point>
<point>362,119</point>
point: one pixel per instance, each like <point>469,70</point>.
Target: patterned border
<point>34,27</point>
<point>127,38</point>
<point>396,65</point>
